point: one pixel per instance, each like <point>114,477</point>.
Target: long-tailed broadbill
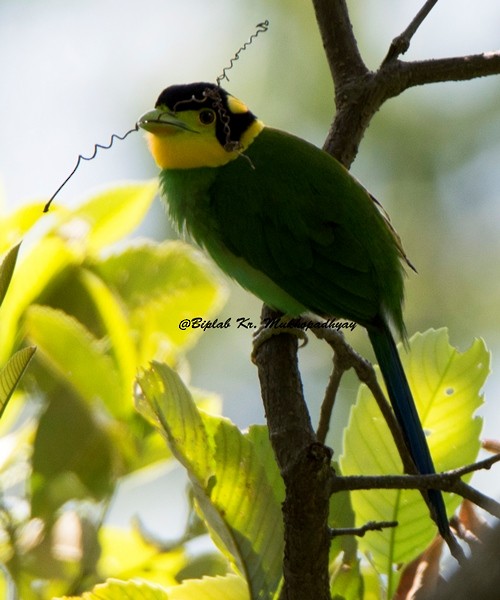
<point>290,224</point>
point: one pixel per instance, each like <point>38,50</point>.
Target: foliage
<point>104,319</point>
<point>446,386</point>
<point>97,314</point>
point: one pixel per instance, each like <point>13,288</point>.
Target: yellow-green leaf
<point>446,387</point>
<point>114,318</point>
<point>40,266</point>
<point>167,401</point>
<point>12,372</point>
<point>162,285</point>
<point>230,587</point>
<point>115,589</point>
<point>125,554</point>
<point>75,355</point>
<point>15,225</point>
<point>7,270</point>
<point>236,489</point>
<point>110,215</point>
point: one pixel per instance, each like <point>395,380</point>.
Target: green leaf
<point>230,587</point>
<point>38,268</point>
<point>161,285</point>
<point>125,554</point>
<point>346,581</point>
<point>15,225</point>
<point>117,327</point>
<point>114,589</point>
<point>7,270</point>
<point>235,486</point>
<point>12,372</point>
<point>341,515</point>
<point>243,510</point>
<point>77,357</point>
<point>446,387</point>
<point>73,455</point>
<point>169,404</point>
<point>108,216</point>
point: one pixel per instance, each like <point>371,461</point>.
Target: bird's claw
<point>264,333</point>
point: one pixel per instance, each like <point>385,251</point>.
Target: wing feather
<point>311,229</point>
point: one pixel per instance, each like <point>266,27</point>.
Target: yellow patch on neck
<point>181,149</point>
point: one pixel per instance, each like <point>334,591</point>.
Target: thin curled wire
<point>214,95</point>
<point>259,28</point>
<point>114,137</point>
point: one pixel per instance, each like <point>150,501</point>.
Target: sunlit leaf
<point>162,285</point>
<point>34,273</point>
<point>247,521</point>
<point>4,582</point>
<point>7,270</point>
<point>117,327</point>
<point>168,402</point>
<point>15,225</point>
<point>114,589</point>
<point>341,515</point>
<point>12,372</point>
<point>238,493</point>
<point>230,587</point>
<point>76,356</point>
<point>125,554</point>
<point>109,216</point>
<point>346,581</point>
<point>372,586</point>
<point>446,386</point>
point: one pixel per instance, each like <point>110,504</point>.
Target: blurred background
<point>74,72</point>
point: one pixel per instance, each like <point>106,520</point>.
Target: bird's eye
<point>206,116</point>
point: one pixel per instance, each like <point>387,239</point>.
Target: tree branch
<point>401,43</point>
<point>361,531</point>
<point>303,461</point>
<point>346,356</point>
<point>448,481</point>
<point>304,465</point>
<point>458,68</point>
<point>339,368</point>
<point>339,42</point>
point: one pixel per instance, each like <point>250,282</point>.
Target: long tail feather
<point>406,414</point>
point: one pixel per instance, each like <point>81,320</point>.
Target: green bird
<point>290,224</point>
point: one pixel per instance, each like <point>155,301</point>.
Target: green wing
<point>290,211</point>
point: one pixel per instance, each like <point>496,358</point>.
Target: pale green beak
<point>160,120</point>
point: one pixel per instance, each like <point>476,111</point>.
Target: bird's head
<point>198,125</point>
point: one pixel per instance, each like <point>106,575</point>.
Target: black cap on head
<point>192,96</point>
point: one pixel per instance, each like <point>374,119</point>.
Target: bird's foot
<point>268,330</point>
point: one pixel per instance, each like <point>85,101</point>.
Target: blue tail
<point>406,414</point>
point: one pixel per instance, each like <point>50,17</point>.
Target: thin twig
<point>339,368</point>
<point>486,463</point>
<point>401,43</point>
<point>360,531</point>
<point>478,498</point>
<point>448,481</point>
<point>438,70</point>
<point>365,372</point>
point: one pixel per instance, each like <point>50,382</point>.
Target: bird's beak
<point>160,121</point>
